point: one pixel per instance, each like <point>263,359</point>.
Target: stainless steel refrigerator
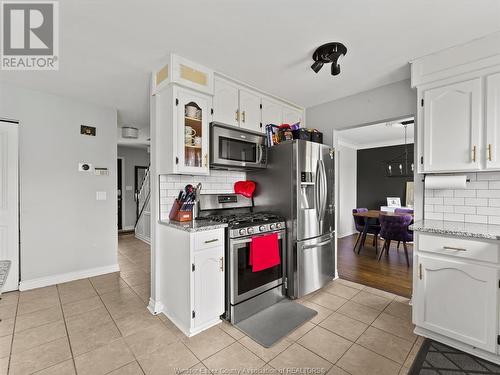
<point>299,185</point>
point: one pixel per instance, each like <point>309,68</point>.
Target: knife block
<point>177,215</point>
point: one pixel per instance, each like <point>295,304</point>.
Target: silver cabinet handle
<point>454,248</point>
<point>243,116</point>
<point>210,241</point>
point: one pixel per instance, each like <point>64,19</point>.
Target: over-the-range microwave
<point>234,148</point>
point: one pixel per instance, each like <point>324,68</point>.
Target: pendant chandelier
<point>402,165</point>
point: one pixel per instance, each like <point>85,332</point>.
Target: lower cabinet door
<point>458,300</point>
<point>208,285</point>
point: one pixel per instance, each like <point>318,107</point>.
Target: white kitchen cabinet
<point>457,299</point>
<point>291,116</point>
<point>192,277</point>
<point>272,112</point>
<point>226,102</point>
<point>493,121</point>
<point>452,122</point>
<point>182,117</point>
<point>250,117</point>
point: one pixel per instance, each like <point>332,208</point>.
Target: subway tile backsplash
<point>217,182</point>
<point>478,203</point>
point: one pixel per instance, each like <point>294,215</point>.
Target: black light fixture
<point>328,53</point>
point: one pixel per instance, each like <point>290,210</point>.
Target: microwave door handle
<point>260,153</point>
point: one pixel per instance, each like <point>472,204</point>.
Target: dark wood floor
<point>390,274</point>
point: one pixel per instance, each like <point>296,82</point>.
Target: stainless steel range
<point>247,292</point>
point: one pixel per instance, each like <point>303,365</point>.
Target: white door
<point>250,110</point>
<point>458,300</point>
<point>208,285</point>
<point>452,127</point>
<point>193,118</point>
<point>226,102</point>
<point>292,116</point>
<point>9,200</point>
<point>493,121</point>
<point>271,112</point>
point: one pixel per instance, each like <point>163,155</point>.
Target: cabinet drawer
<point>208,239</point>
<point>459,247</point>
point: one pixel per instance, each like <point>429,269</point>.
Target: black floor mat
<point>435,358</point>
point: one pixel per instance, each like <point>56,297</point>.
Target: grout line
<point>66,328</point>
<point>13,333</point>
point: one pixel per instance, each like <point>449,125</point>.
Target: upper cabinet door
<point>493,121</point>
<point>292,116</point>
<point>452,127</point>
<point>192,132</point>
<point>250,110</point>
<point>272,112</point>
<point>226,102</point>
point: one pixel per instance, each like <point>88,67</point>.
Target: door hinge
<point>176,101</point>
<point>498,340</point>
<point>176,160</point>
<point>193,314</point>
<point>421,160</point>
<point>422,102</point>
<point>261,106</point>
<point>211,111</point>
<point>193,267</point>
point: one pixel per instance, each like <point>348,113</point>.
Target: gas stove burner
<point>249,218</point>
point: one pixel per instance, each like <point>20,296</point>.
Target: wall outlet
<point>84,167</point>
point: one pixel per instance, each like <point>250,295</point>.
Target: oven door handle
<point>237,241</point>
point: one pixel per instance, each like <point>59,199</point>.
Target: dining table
<point>372,215</point>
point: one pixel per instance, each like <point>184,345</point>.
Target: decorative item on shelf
<point>192,111</point>
<point>402,165</point>
<point>285,133</point>
<point>329,53</point>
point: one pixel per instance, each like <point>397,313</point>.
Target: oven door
<point>244,283</point>
<point>231,147</point>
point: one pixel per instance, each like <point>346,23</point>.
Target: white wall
<point>132,156</point>
<point>65,232</point>
<point>347,165</point>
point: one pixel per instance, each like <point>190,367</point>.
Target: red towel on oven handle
<point>264,252</point>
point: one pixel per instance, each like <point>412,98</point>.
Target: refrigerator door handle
<point>325,189</point>
<point>317,190</point>
<point>317,244</point>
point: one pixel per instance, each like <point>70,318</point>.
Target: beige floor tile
<point>402,299</point>
<point>135,277</point>
<point>130,369</point>
<point>231,330</point>
<point>344,326</point>
<point>328,300</point>
<point>143,291</point>
<point>37,304</point>
<point>335,370</point>
<point>397,326</point>
<point>7,326</point>
<point>300,331</point>
<point>404,371</point>
<point>40,357</point>
<point>9,298</point>
<point>77,294</point>
<point>5,346</point>
<point>153,339</point>
<point>38,318</point>
<point>359,312</point>
<point>266,354</point>
<point>4,366</point>
<point>136,322</point>
<point>385,344</point>
<point>8,311</point>
<point>380,293</point>
<point>63,368</point>
<point>108,283</point>
<point>341,290</point>
<point>235,356</point>
<point>323,312</point>
<point>371,300</point>
<point>401,310</point>
<point>104,359</point>
<point>325,343</point>
<point>350,284</point>
<point>413,352</point>
<point>166,361</point>
<point>297,356</point>
<point>37,336</point>
<point>38,293</point>
<point>88,320</point>
<point>208,342</point>
<point>89,339</point>
<point>361,361</point>
<point>82,306</point>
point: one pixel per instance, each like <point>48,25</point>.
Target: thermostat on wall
<point>101,171</point>
<point>84,167</point>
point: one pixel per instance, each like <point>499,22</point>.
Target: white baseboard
<point>155,307</point>
<point>342,235</point>
<point>143,238</point>
<point>65,277</point>
<point>130,227</point>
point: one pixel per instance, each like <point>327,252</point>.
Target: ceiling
<point>109,47</point>
<point>377,135</point>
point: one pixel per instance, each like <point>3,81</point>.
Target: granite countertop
<point>455,228</point>
<point>193,226</point>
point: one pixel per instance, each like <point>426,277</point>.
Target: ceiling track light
<point>328,53</point>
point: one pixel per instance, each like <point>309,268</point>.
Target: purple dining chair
<point>402,211</point>
<point>360,223</point>
<point>395,228</point>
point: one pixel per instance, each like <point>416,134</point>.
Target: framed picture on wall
<point>393,201</point>
<point>409,194</point>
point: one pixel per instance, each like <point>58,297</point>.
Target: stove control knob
<point>278,225</point>
<point>250,230</point>
<point>272,226</point>
<point>243,232</point>
<point>262,228</point>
